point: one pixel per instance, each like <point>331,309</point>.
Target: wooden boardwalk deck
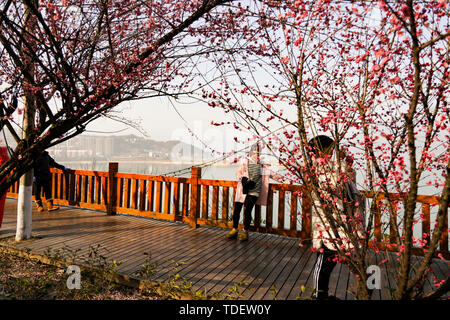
<point>266,267</point>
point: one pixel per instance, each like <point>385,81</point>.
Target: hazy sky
<point>161,122</point>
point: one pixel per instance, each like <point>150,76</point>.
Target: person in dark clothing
<point>43,179</point>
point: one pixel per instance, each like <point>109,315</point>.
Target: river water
<point>219,172</point>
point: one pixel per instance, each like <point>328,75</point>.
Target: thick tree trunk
<point>24,207</point>
<point>362,292</point>
<point>25,201</point>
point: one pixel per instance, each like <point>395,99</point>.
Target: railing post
<point>196,174</point>
<point>113,168</point>
<point>71,199</point>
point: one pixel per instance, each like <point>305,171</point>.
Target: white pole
<point>24,207</point>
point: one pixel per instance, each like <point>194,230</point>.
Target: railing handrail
<point>196,200</point>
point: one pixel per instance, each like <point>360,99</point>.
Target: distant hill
<point>86,147</point>
<point>131,144</point>
<point>126,146</point>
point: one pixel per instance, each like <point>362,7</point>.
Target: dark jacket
<point>42,167</point>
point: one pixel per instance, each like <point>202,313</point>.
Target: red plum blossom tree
<point>373,75</point>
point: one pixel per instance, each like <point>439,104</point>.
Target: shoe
<point>50,206</point>
<point>40,208</point>
<point>232,234</point>
<point>243,236</point>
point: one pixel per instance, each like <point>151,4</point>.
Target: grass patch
<point>25,275</point>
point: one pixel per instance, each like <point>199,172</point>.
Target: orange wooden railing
<point>389,241</point>
<point>200,201</point>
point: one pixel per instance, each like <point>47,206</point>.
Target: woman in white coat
<point>252,189</point>
<point>328,176</point>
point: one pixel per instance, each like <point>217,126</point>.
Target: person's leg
<point>48,197</point>
<point>237,214</point>
<point>236,217</point>
<point>248,207</point>
<point>322,271</point>
<point>47,190</point>
<point>37,196</point>
<point>38,191</point>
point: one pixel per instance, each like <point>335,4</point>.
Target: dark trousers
<point>43,185</point>
<point>322,271</point>
<point>248,204</point>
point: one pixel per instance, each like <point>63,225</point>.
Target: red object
<point>3,157</point>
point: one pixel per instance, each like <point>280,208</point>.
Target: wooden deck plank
<point>334,279</point>
<point>166,257</point>
<point>192,250</point>
<point>343,282</point>
<point>443,271</point>
<point>268,275</point>
<point>162,247</point>
<point>291,279</point>
<point>135,247</point>
<point>85,242</point>
<point>393,269</point>
<point>387,280</point>
<point>351,289</point>
<point>168,249</point>
<point>113,242</point>
<point>235,269</point>
<point>238,268</point>
<point>263,269</point>
<point>440,268</point>
<point>42,225</point>
<point>212,262</point>
<point>52,233</point>
<point>157,237</point>
<point>306,279</point>
<point>227,247</point>
<point>192,255</point>
<point>384,291</point>
<point>90,235</point>
<point>108,243</point>
<point>57,240</point>
<point>376,293</point>
<point>437,274</point>
<point>182,250</point>
<point>427,283</point>
<point>289,269</point>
